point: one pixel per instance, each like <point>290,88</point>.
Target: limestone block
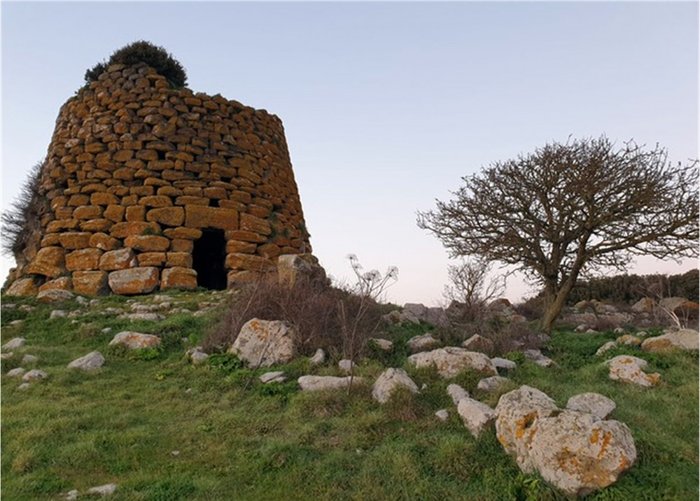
<point>62,283</point>
<point>102,198</point>
<point>255,224</point>
<point>103,241</point>
<point>90,283</point>
<point>115,213</point>
<point>245,236</point>
<point>75,240</point>
<point>135,213</point>
<point>83,259</point>
<point>169,216</point>
<point>183,259</point>
<point>151,258</point>
<point>147,243</point>
<point>156,201</point>
<point>22,287</point>
<point>123,230</point>
<point>236,247</point>
<point>181,245</point>
<point>117,260</point>
<point>247,262</point>
<point>140,280</point>
<point>179,278</point>
<point>87,212</point>
<point>49,261</point>
<point>210,217</point>
<point>183,233</point>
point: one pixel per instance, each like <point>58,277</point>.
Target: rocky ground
<point>114,397</point>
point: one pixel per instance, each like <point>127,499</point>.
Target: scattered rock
<point>58,314</point>
<point>389,381</point>
<point>479,343</point>
<point>644,305</point>
<point>619,331</point>
<point>493,383</point>
<point>34,375</point>
<point>592,403</point>
<point>581,328</point>
<point>144,316</point>
<point>442,415</point>
<point>684,339</point>
<point>318,358</point>
<point>54,296</point>
<point>262,343</point>
<point>71,495</point>
<point>451,361</point>
<point>103,490</point>
<point>606,347</point>
<point>273,377</point>
<point>422,343</point>
<point>628,340</point>
<point>106,330</point>
<point>14,344</point>
<point>435,316</point>
<point>29,359</point>
<point>320,383</point>
<point>23,386</point>
<point>22,287</point>
<point>475,415</point>
<point>396,317</point>
<point>629,369</point>
<point>457,393</point>
<point>382,344</point>
<point>197,356</point>
<point>578,453</point>
<point>16,322</point>
<point>347,366</point>
<point>6,356</point>
<point>503,363</point>
<point>90,362</point>
<point>17,372</point>
<point>538,358</point>
<point>517,416</point>
<point>135,340</point>
<point>293,267</point>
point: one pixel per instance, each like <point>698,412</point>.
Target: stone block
<point>147,243</point>
<point>103,241</point>
<point>197,216</point>
<point>151,258</point>
<point>83,259</point>
<point>248,262</point>
<point>123,230</point>
<point>60,283</point>
<point>180,259</point>
<point>90,283</point>
<point>255,224</point>
<point>181,245</point>
<point>75,240</point>
<point>140,280</point>
<point>169,216</point>
<point>87,212</point>
<point>179,278</point>
<point>117,260</point>
<point>49,261</point>
<point>236,247</point>
<point>115,213</point>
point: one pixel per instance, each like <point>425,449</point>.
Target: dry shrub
<point>506,335</point>
<point>314,309</point>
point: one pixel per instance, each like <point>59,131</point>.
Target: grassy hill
<point>163,429</point>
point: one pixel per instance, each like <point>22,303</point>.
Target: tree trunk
<point>553,308</point>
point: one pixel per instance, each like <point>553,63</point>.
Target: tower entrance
<point>208,259</point>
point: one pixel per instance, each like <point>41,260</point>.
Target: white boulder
<point>389,381</point>
<point>262,343</point>
<point>451,361</point>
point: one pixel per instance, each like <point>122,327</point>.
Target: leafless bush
<point>471,288</point>
<point>506,335</point>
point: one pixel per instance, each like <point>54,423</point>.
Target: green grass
<point>238,439</point>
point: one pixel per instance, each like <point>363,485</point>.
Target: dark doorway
<point>208,257</point>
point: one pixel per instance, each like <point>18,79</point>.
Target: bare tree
<point>568,208</point>
<point>473,285</point>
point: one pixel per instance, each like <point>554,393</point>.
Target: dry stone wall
<point>137,173</point>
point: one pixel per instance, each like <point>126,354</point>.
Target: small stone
<point>23,386</point>
<point>135,340</point>
<point>442,415</point>
<point>475,415</point>
<point>628,340</point>
<point>146,316</point>
<point>630,370</point>
<point>318,358</point>
<point>106,330</point>
<point>422,343</point>
<point>54,296</point>
<point>34,375</point>
<point>389,381</point>
<point>503,363</point>
<point>103,490</point>
<point>90,362</point>
<point>16,323</point>
<point>14,344</point>
<point>382,344</point>
<point>6,356</point>
<point>71,495</point>
<point>273,377</point>
<point>606,347</point>
<point>58,314</point>
<point>457,393</point>
<point>17,372</point>
<point>538,358</point>
<point>174,453</point>
<point>321,383</point>
<point>592,403</point>
<point>29,359</point>
<point>619,331</point>
<point>479,343</point>
<point>197,355</point>
<point>493,383</point>
<point>347,366</point>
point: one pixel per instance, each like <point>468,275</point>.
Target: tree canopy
<point>568,208</point>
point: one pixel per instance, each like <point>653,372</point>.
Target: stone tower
<point>147,187</point>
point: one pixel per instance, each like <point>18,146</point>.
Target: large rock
<point>54,296</point>
<point>434,315</point>
<point>517,416</point>
<point>475,415</point>
<point>457,393</point>
<point>493,383</point>
<point>291,268</point>
<point>263,343</point>
<point>178,277</point>
<point>684,339</point>
<point>119,259</point>
<point>389,381</point>
<point>90,283</point>
<point>22,287</point>
<point>644,305</point>
<point>134,280</point>
<point>480,344</point>
<point>578,453</point>
<point>382,344</point>
<point>34,375</point>
<point>135,340</point>
<point>451,361</point>
<point>503,363</point>
<point>630,369</point>
<point>49,261</point>
<point>14,344</point>
<point>422,343</point>
<point>321,383</point>
<point>678,305</point>
<point>592,403</point>
<point>90,362</point>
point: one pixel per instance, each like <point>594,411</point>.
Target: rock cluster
<point>137,172</point>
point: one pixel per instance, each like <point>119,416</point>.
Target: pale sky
<point>385,105</point>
